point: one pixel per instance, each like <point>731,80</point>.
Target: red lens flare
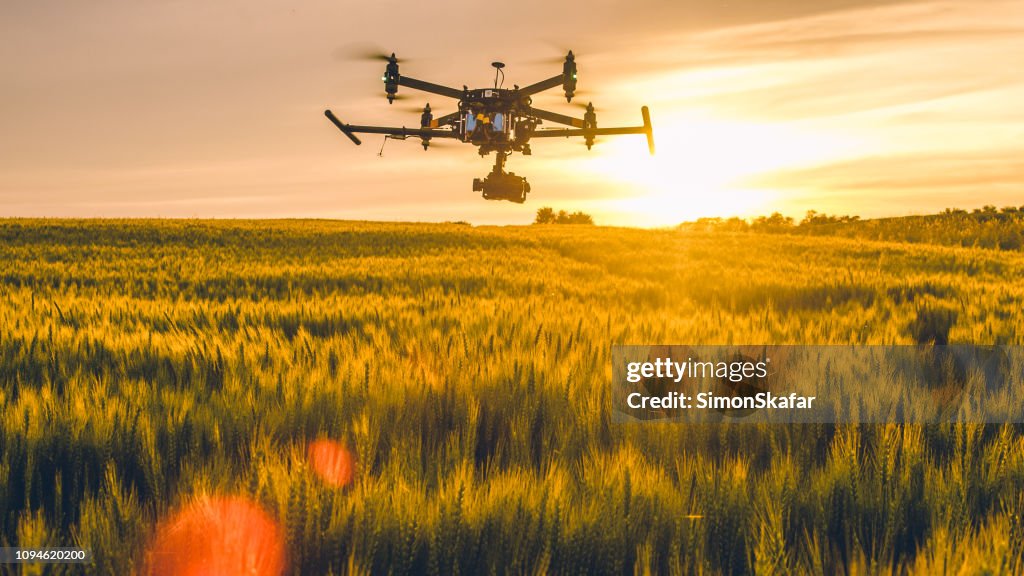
<point>217,536</point>
<point>332,462</point>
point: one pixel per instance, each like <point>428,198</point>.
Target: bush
<point>546,215</point>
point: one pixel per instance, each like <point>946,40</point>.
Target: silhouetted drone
<point>494,119</point>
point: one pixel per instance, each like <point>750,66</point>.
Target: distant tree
<point>774,223</point>
<point>548,216</point>
<point>545,215</point>
<point>705,224</point>
<point>735,224</point>
<point>810,218</point>
<point>986,227</point>
<point>814,218</point>
<point>985,213</point>
<point>714,223</point>
<point>574,218</point>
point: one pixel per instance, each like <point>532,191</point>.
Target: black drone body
<point>500,120</point>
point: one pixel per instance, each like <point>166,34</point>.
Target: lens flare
<point>332,462</point>
<point>217,536</point>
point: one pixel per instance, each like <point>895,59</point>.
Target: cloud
<point>903,184</point>
<point>840,62</point>
<point>922,100</point>
<point>907,173</point>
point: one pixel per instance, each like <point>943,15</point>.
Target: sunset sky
<point>215,109</point>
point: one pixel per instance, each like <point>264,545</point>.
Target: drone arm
<point>346,130</point>
<point>350,130</point>
<point>555,117</point>
<point>567,132</point>
<point>445,120</point>
<point>543,85</point>
<point>403,131</point>
<point>648,129</point>
<point>430,87</point>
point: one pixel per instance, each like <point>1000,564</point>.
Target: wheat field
<point>467,369</point>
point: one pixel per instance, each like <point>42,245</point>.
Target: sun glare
<point>217,536</point>
<point>332,462</point>
<point>702,167</point>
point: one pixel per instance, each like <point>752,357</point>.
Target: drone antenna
<point>497,70</point>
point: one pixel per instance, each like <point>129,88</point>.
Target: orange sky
<point>186,108</point>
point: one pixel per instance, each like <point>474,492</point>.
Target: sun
<point>705,167</point>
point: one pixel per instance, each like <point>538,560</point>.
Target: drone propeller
<point>583,105</point>
<point>365,52</point>
<point>408,107</point>
<point>589,109</point>
<point>553,60</point>
<point>442,143</point>
<point>555,99</point>
<point>429,143</point>
<point>547,60</point>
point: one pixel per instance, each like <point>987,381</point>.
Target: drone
<point>500,120</point>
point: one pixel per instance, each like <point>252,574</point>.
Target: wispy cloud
<point>927,97</point>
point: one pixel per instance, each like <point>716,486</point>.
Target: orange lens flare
<point>332,462</point>
<point>217,536</point>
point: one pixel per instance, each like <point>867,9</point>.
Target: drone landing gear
<point>501,185</point>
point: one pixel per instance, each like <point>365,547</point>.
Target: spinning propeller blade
<point>366,52</point>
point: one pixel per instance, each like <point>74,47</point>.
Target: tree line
<point>547,215</point>
<point>986,227</point>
